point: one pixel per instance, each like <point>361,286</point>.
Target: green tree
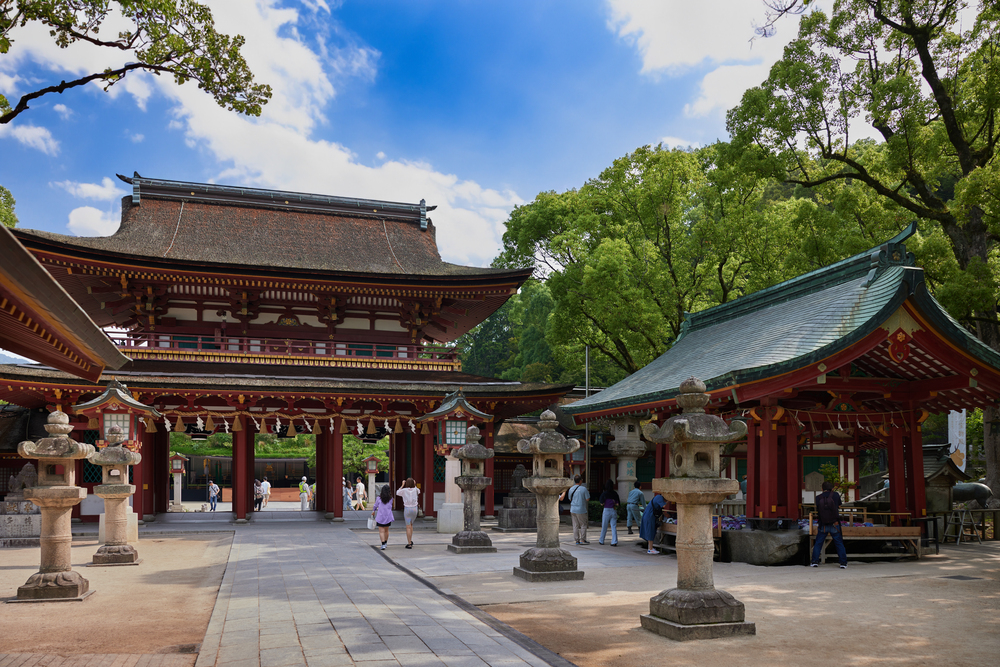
<point>171,37</point>
<point>356,450</point>
<point>931,92</point>
<point>7,217</point>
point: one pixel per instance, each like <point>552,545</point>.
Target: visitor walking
<point>578,495</point>
<point>213,494</point>
<point>410,494</point>
<point>651,521</point>
<point>266,486</point>
<point>304,494</point>
<point>610,500</point>
<point>360,495</point>
<point>258,494</point>
<point>633,507</point>
<point>312,496</point>
<point>828,509</point>
<point>348,495</point>
<point>382,512</point>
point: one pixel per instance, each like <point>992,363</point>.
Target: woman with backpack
<point>382,513</point>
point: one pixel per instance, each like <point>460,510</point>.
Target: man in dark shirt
<point>828,509</point>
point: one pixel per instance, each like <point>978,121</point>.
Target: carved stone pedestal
<point>546,561</point>
<point>472,540</point>
<point>695,609</point>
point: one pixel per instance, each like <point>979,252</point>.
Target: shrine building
<point>849,357</point>
<point>243,310</point>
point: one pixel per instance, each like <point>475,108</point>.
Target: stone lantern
<point>695,609</point>
<point>546,561</point>
<point>627,447</point>
<point>178,466</point>
<point>115,490</point>
<point>56,493</point>
<point>472,482</point>
<point>452,419</point>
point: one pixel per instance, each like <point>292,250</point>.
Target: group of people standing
<point>644,515</point>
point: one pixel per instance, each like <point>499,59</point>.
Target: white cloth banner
<point>956,437</point>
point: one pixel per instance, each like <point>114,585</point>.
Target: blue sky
<point>475,106</point>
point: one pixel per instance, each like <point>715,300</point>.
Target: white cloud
<point>31,136</point>
<point>63,111</point>
<point>675,36</point>
<point>135,137</point>
<point>380,155</point>
<point>283,148</point>
<point>107,190</point>
<point>89,221</point>
<point>677,142</point>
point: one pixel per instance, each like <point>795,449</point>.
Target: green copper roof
<point>786,327</point>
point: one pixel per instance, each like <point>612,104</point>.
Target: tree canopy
<point>7,216</point>
<point>926,90</point>
<point>174,37</point>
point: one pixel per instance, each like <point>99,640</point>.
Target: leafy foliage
<point>7,216</point>
<point>165,37</point>
<point>931,92</point>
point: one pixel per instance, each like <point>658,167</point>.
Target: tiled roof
<point>213,224</point>
<point>785,327</point>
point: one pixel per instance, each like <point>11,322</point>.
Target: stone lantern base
<point>68,586</point>
<point>472,542</point>
<point>682,615</point>
<point>116,554</point>
<point>547,564</point>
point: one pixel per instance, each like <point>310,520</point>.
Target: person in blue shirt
<point>578,495</point>
<point>633,507</point>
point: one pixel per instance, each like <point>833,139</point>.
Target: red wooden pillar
<point>897,477</point>
<point>915,465</point>
<point>488,492</point>
<point>336,459</point>
<point>321,473</point>
<point>248,472</point>
<point>753,467</point>
<point>142,475</point>
<point>428,490</point>
<point>160,480</point>
<point>417,456</point>
<point>793,474</point>
<point>241,443</point>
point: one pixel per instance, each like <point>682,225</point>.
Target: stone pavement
<point>297,594</point>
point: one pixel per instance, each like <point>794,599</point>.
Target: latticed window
<point>454,432</point>
<point>117,419</point>
<point>91,474</point>
<point>439,462</point>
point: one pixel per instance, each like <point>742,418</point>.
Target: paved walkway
<point>298,595</point>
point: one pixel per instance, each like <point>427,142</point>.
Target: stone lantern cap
<point>694,425</point>
<point>114,454</point>
<point>548,441</point>
<point>472,450</point>
<point>59,445</point>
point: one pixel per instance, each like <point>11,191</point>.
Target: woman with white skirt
<point>410,494</point>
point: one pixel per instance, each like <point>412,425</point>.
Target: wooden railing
<point>283,351</point>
